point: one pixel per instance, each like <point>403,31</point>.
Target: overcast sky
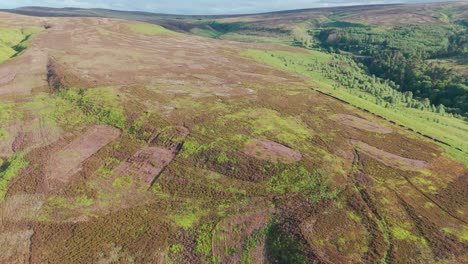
<point>198,7</point>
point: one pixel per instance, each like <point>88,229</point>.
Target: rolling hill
<point>131,137</point>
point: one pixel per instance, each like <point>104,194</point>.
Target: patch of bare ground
<point>6,144</point>
<point>63,164</point>
<point>26,134</point>
<point>21,85</point>
<point>20,21</point>
<point>390,159</point>
<point>360,123</point>
<point>6,75</point>
<point>271,151</point>
<point>146,165</point>
<point>20,207</point>
<point>58,77</point>
<point>15,246</point>
<point>35,134</point>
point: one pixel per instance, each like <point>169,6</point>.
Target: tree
<point>426,102</point>
<point>441,109</point>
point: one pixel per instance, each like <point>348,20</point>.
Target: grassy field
<point>13,41</point>
<point>149,29</point>
<point>442,127</point>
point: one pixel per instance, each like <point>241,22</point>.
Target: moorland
<point>333,135</point>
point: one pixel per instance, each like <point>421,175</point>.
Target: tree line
<point>403,56</point>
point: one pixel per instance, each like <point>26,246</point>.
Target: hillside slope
<point>128,142</point>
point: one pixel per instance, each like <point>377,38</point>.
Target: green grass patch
<point>192,147</point>
<point>104,32</point>
<point>185,220</point>
<point>9,170</point>
<point>98,105</point>
<point>427,185</point>
<point>176,248</point>
<point>106,170</point>
<point>354,217</point>
<point>265,122</point>
<point>401,233</point>
<point>461,234</point>
<point>216,29</point>
<point>150,29</point>
<point>207,33</point>
<point>9,37</point>
<point>104,173</point>
<point>300,180</point>
<point>6,53</point>
<point>8,115</point>
<point>188,215</point>
<point>204,242</point>
<point>278,40</point>
<point>158,191</point>
<point>286,60</point>
<point>59,202</point>
<point>83,200</point>
<point>222,158</point>
<point>123,182</point>
<point>3,134</point>
<point>59,112</point>
<point>14,40</point>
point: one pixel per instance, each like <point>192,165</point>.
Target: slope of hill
<point>128,142</point>
<point>422,48</point>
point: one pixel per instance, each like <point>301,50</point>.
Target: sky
<point>208,7</point>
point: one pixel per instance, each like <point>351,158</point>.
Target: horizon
<point>210,7</point>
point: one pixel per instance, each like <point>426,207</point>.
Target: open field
<point>448,129</point>
<point>128,142</point>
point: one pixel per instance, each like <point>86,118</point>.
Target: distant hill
<point>368,12</point>
<point>391,14</point>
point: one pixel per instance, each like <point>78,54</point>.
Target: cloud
<point>201,6</point>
